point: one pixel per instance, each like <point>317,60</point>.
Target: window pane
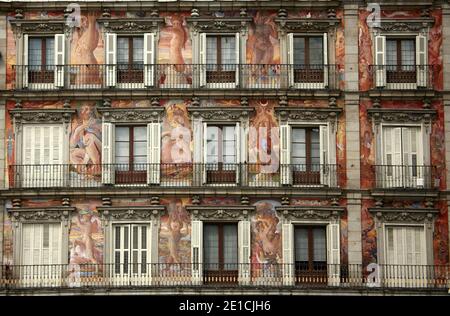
<point>228,50</point>
<point>34,52</point>
<point>211,245</point>
<point>123,48</point>
<point>140,133</point>
<point>298,134</point>
<point>50,51</point>
<point>140,149</point>
<point>138,50</point>
<point>298,150</point>
<point>301,244</point>
<point>211,50</point>
<point>299,50</point>
<point>316,50</point>
<point>122,149</point>
<point>391,52</point>
<point>408,53</point>
<point>122,133</point>
<point>230,254</point>
<point>319,244</point>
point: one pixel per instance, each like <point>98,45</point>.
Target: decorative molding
<point>150,24</point>
<point>307,24</point>
<point>383,115</point>
<point>125,213</point>
<point>221,113</point>
<point>220,212</point>
<point>307,113</point>
<point>41,214</point>
<point>131,115</point>
<point>220,25</point>
<point>406,25</point>
<point>404,215</point>
<point>294,212</point>
<point>38,26</point>
<point>28,116</point>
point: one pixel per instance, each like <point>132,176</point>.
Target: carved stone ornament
<point>108,213</point>
<point>221,113</point>
<point>131,115</point>
<point>47,214</point>
<point>380,115</point>
<point>404,215</point>
<point>150,24</point>
<point>293,212</point>
<point>307,114</point>
<point>29,116</point>
<point>307,24</point>
<point>221,25</point>
<point>38,26</point>
<point>220,212</point>
<point>407,25</point>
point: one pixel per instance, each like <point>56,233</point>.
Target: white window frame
<point>379,55</point>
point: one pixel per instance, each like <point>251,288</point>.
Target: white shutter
<point>205,152</point>
<point>28,151</point>
<point>25,69</point>
<point>107,153</point>
<point>59,59</point>
<point>324,158</point>
<point>334,256</point>
<point>111,59</point>
<point>27,243</point>
<point>244,251</point>
<point>41,244</point>
<point>202,59</point>
<point>153,152</point>
<point>421,60</point>
<point>290,55</point>
<point>285,154</point>
<point>325,60</point>
<point>149,58</point>
<point>238,55</point>
<point>288,254</point>
<point>380,60</point>
<point>197,251</point>
<point>237,133</point>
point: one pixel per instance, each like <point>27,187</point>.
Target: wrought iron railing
<point>133,275</point>
<point>404,176</point>
<point>402,77</point>
<point>172,175</point>
<point>183,76</point>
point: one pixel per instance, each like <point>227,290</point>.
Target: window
<point>402,155</point>
<point>220,250</point>
<point>310,251</point>
<point>221,153</point>
<point>131,243</point>
<point>42,155</point>
<point>131,154</point>
<point>308,59</point>
<point>220,58</point>
<point>130,59</point>
<point>405,245</point>
<point>306,155</point>
<point>400,60</point>
<point>41,244</point>
<point>41,59</point>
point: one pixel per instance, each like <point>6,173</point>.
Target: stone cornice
<point>41,214</point>
<point>131,25</point>
<point>307,113</point>
<point>293,212</point>
<point>221,113</point>
<point>386,115</point>
<point>38,26</point>
<point>404,215</point>
<point>131,115</point>
<point>220,212</point>
<point>307,24</point>
<point>21,115</point>
<point>108,213</point>
<point>221,25</point>
<point>405,25</point>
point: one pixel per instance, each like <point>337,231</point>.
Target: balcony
<point>185,76</point>
<point>405,177</point>
<point>173,175</point>
<point>402,77</point>
<point>136,276</point>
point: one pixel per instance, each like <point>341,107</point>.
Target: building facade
<point>225,147</point>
